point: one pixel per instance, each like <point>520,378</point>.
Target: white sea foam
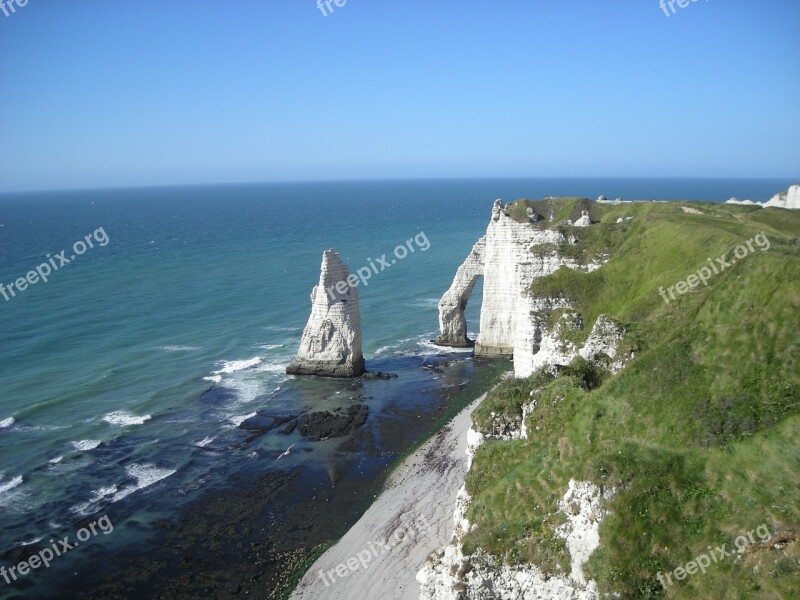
<point>145,476</point>
<point>426,302</point>
<point>93,504</point>
<point>124,418</point>
<point>233,366</point>
<point>6,423</point>
<point>239,419</point>
<point>248,378</point>
<point>434,349</point>
<point>86,445</point>
<point>10,485</point>
<point>270,346</point>
<point>204,442</point>
<point>33,541</point>
<point>56,460</point>
<point>179,348</point>
<point>278,366</point>
<point>383,350</point>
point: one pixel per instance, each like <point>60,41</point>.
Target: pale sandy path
<point>422,490</point>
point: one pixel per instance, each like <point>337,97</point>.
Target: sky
<point>115,93</point>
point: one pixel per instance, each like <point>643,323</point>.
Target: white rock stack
<point>331,342</point>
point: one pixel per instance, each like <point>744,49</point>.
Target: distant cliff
<point>789,199</point>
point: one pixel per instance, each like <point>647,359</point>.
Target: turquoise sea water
<point>125,375</point>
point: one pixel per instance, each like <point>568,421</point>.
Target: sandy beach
<point>381,554</point>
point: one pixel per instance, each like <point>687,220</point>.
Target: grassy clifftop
<point>699,434</point>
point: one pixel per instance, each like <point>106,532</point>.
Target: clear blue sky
<point>136,92</point>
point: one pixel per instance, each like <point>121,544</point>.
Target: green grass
<point>698,434</point>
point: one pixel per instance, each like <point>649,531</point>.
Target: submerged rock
<point>323,425</point>
<point>378,375</point>
<point>331,342</point>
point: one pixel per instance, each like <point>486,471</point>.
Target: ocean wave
<point>383,350</point>
<point>430,346</point>
<point>273,367</point>
<point>271,346</point>
<point>10,485</point>
<point>204,442</point>
<point>93,504</point>
<point>33,541</point>
<point>426,302</point>
<point>86,445</point>
<point>233,366</point>
<point>145,476</point>
<point>56,460</point>
<point>239,419</point>
<point>281,328</point>
<point>179,348</point>
<point>6,423</point>
<point>125,418</point>
<point>418,344</point>
<point>246,378</point>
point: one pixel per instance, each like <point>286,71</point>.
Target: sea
<point>166,322</point>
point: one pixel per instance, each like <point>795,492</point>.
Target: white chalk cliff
<point>331,342</point>
<point>789,199</point>
<point>510,257</point>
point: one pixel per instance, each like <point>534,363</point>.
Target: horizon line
<point>134,187</point>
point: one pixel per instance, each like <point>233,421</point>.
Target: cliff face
<point>509,269</point>
<point>331,342</point>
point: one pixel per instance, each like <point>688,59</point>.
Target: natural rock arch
<point>452,320</point>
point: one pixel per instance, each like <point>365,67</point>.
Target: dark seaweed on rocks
<point>319,426</point>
